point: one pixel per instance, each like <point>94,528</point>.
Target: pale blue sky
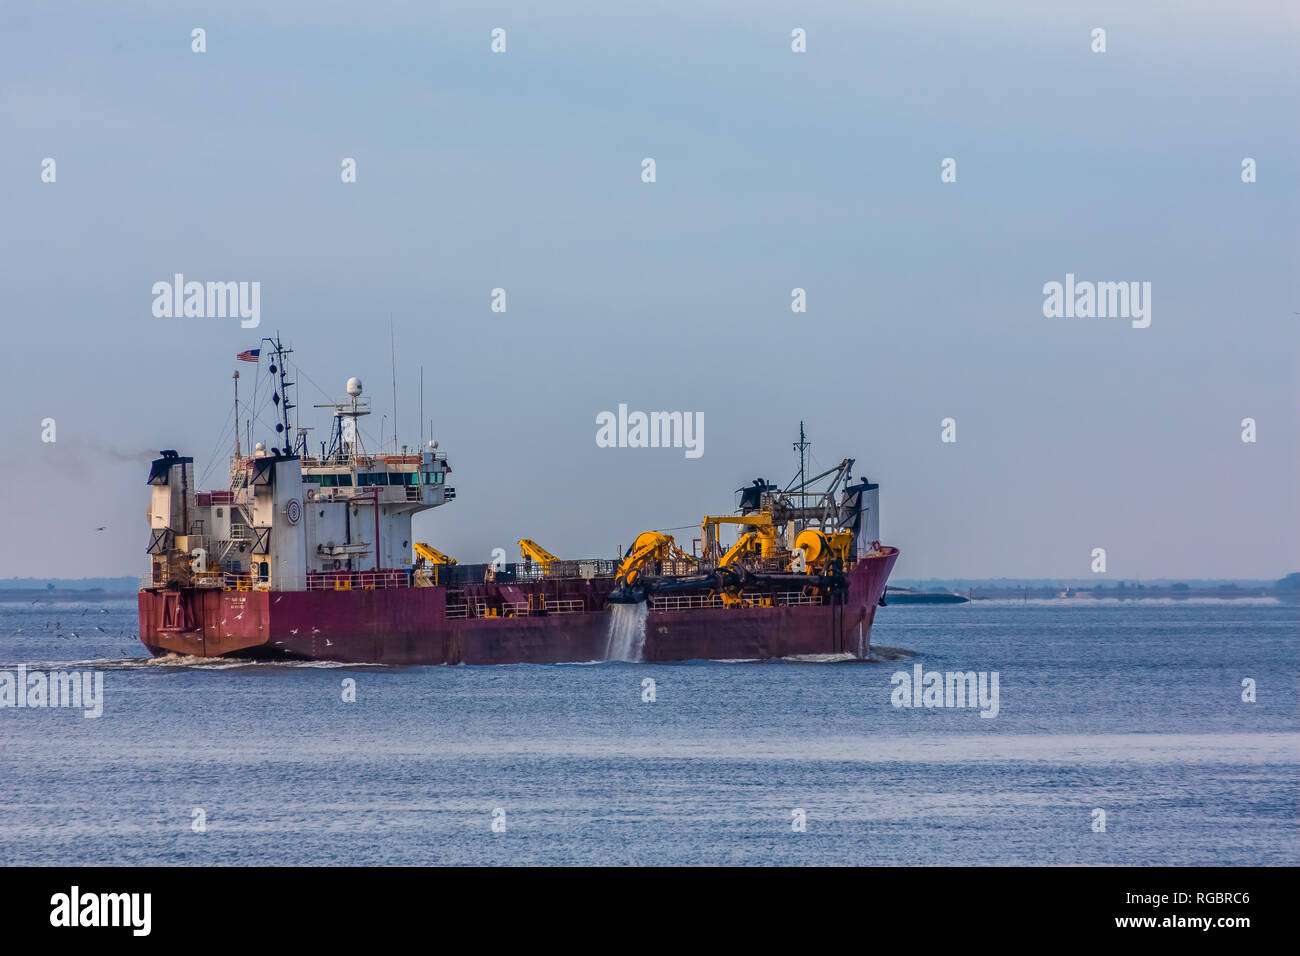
<point>775,170</point>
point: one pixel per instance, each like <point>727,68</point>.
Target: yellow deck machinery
<point>429,561</point>
<point>530,550</point>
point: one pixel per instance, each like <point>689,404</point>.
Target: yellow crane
<point>760,521</point>
<point>429,561</point>
<point>432,555</point>
<point>530,550</point>
<point>648,546</point>
<point>747,542</point>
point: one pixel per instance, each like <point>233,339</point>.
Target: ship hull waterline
<point>410,626</point>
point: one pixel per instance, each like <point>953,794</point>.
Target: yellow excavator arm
<point>530,550</point>
<point>743,544</point>
<point>432,555</point>
<point>647,546</point>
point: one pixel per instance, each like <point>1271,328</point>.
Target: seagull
<point>103,611</point>
<point>315,630</point>
<point>98,628</point>
<point>294,631</point>
<point>102,529</point>
<point>328,642</point>
<point>75,634</point>
<point>239,616</point>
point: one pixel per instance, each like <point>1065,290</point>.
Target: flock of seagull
<point>57,627</point>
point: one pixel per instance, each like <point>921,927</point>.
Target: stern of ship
<point>204,622</point>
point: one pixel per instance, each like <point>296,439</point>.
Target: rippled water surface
<point>1134,709</point>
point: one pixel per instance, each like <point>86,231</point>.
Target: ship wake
<point>626,631</point>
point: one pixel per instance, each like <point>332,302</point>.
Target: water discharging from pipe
<point>626,631</point>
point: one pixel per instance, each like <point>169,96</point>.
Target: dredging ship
<point>311,557</point>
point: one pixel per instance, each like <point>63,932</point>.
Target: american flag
<point>249,356</point>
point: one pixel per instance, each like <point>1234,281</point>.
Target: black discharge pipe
<point>722,579</point>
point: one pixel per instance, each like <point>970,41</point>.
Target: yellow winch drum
<point>814,543</point>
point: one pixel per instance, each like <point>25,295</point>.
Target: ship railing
<point>356,580</point>
<point>793,598</point>
<point>214,578</point>
<point>484,608</point>
<point>231,581</point>
<point>457,612</point>
<point>481,608</point>
<point>684,602</point>
<point>205,499</point>
<point>585,568</point>
<point>566,606</point>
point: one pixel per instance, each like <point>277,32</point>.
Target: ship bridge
<point>290,522</point>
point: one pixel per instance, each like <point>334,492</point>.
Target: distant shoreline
<point>61,595</point>
<point>894,596</point>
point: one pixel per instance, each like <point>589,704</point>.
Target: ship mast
<point>280,396</point>
<point>235,376</point>
<point>802,446</point>
<point>345,443</point>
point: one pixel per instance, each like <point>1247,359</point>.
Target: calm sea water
<point>1135,709</point>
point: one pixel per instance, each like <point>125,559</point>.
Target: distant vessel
<point>311,557</point>
<point>894,595</point>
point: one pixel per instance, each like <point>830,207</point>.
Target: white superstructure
<point>290,522</point>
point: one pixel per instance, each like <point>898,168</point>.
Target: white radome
<point>354,386</point>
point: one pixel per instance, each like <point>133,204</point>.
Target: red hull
<point>411,626</point>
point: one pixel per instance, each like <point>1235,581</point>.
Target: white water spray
<point>626,631</point>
